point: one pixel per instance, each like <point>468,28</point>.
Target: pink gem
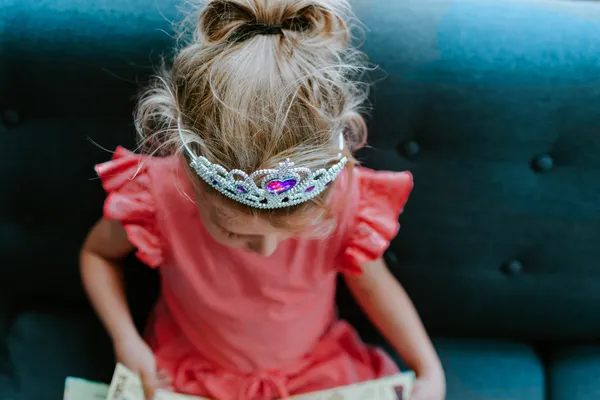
<point>278,187</point>
<point>310,189</point>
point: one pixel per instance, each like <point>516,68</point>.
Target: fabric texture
<point>46,347</point>
<point>491,370</point>
<point>234,325</point>
<point>574,373</point>
<point>127,182</point>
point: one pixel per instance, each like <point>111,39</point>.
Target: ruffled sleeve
<point>382,196</point>
<point>127,182</point>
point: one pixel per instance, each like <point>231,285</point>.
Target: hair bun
<point>317,21</point>
<point>239,20</point>
<point>220,19</point>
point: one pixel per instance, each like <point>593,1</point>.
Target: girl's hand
<point>429,387</point>
<point>136,355</point>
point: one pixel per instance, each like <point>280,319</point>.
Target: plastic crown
<point>284,186</point>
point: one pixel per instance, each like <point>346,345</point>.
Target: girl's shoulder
<point>125,163</point>
<point>128,171</point>
<point>365,191</point>
<point>368,204</point>
<point>139,188</point>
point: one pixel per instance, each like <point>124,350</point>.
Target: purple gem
<point>328,183</point>
<point>279,187</point>
<point>310,189</point>
<point>399,392</point>
<point>241,189</point>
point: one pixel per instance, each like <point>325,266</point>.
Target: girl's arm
<point>102,276</point>
<point>390,309</point>
<point>105,246</point>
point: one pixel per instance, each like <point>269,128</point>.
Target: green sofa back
<point>492,105</point>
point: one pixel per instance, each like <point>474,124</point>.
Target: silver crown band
<point>282,187</point>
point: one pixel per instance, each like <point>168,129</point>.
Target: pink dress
<point>232,325</point>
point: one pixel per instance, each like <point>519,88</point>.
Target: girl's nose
<point>265,246</point>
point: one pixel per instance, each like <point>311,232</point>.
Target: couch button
<point>10,117</point>
<point>513,267</point>
<point>409,149</point>
<point>542,163</point>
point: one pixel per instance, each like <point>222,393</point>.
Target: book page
<point>126,385</point>
<point>80,389</point>
<point>396,387</point>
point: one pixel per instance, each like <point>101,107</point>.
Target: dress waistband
<point>197,376</point>
<point>264,383</point>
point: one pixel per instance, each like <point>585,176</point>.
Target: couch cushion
<point>475,93</point>
<point>82,87</point>
<point>46,347</point>
<point>574,373</point>
<point>497,119</point>
<point>487,370</point>
<point>7,389</point>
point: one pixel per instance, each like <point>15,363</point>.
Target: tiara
<point>284,186</point>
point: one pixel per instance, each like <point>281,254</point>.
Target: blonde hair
<point>249,101</point>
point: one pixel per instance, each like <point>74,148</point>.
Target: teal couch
<point>493,105</point>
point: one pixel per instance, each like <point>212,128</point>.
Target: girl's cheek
<point>216,234</point>
<point>235,243</point>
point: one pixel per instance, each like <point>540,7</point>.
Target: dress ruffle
<point>382,197</point>
<point>127,182</point>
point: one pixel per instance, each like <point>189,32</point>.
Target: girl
<point>253,209</point>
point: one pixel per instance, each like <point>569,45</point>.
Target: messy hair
<point>248,101</point>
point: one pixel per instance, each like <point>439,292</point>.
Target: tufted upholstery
<point>491,104</point>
